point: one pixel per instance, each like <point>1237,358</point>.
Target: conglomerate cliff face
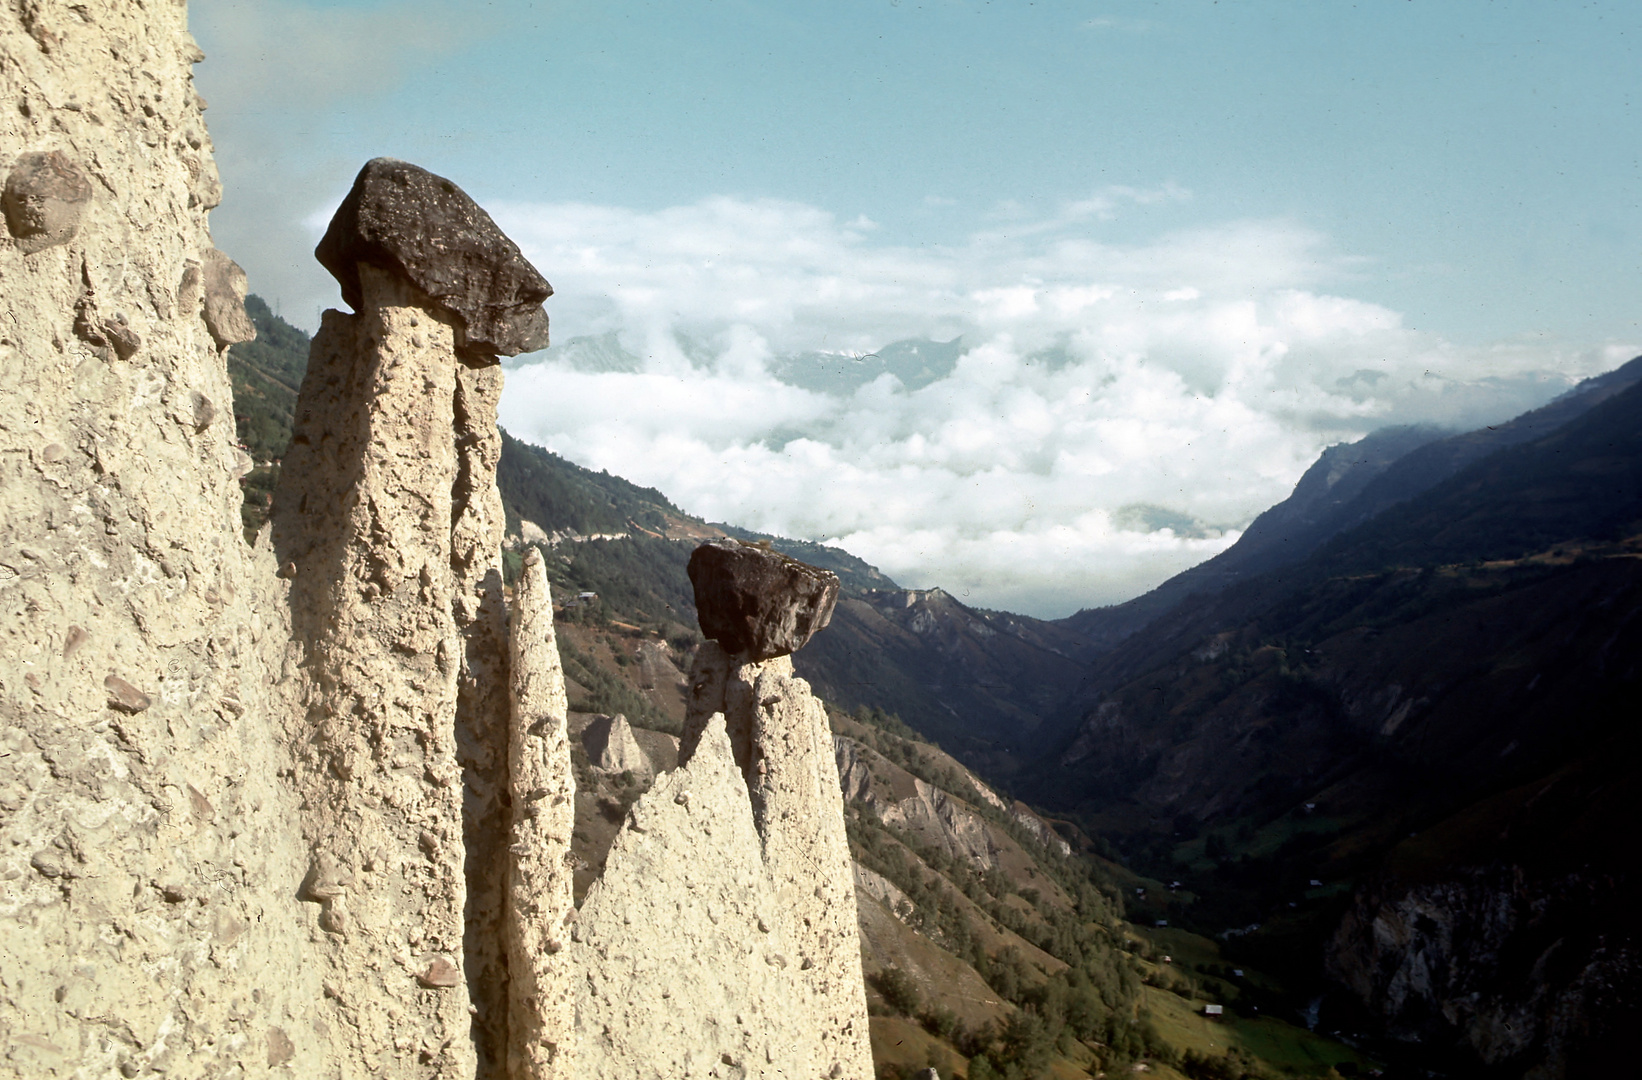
<point>148,917</point>
<point>304,809</point>
<point>777,735</point>
<point>364,530</point>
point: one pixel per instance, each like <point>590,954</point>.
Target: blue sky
<point>1220,214</point>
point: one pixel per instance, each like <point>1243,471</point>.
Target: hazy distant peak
<point>916,362</point>
<point>593,354</point>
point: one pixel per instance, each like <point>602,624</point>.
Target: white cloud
<point>1197,375</point>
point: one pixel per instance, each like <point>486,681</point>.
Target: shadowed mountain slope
<point>1348,485</point>
<point>1408,751</point>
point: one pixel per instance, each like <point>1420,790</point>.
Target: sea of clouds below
<point>1101,389</point>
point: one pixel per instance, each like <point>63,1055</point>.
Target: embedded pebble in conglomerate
<point>225,288</point>
<point>43,200</point>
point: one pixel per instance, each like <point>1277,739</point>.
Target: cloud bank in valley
<point>1103,416</point>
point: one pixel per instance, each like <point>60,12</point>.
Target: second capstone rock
<point>757,602</point>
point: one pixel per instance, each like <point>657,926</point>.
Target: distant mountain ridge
<point>1349,484</point>
<point>916,362</point>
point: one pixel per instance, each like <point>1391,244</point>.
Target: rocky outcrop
<point>542,987</point>
<point>685,966</point>
<point>721,939</point>
<point>777,736</point>
<point>656,668</point>
<point>1039,829</point>
<point>363,524</point>
<point>151,855</point>
<point>897,798</point>
<point>872,885</point>
<point>389,524</point>
<point>223,290</point>
<point>935,816</point>
<point>1524,973</point>
<point>431,801</point>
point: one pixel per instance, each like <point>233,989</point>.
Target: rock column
<point>721,940</point>
<point>482,707</point>
<point>388,525</point>
<point>761,606</point>
<point>363,528</point>
<point>543,815</point>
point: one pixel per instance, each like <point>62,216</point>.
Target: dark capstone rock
<point>44,197</point>
<point>426,230</point>
<point>759,602</point>
<point>224,291</point>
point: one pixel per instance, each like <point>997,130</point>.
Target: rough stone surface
<point>869,883</point>
<point>224,288</point>
<point>483,710</point>
<point>722,938</point>
<point>681,963</point>
<point>44,197</point>
<point>365,516</point>
<point>656,667</point>
<point>925,811</point>
<point>759,602</point>
<point>542,981</point>
<point>149,852</point>
<point>779,737</point>
<point>611,747</point>
<point>1500,959</point>
<point>425,229</point>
